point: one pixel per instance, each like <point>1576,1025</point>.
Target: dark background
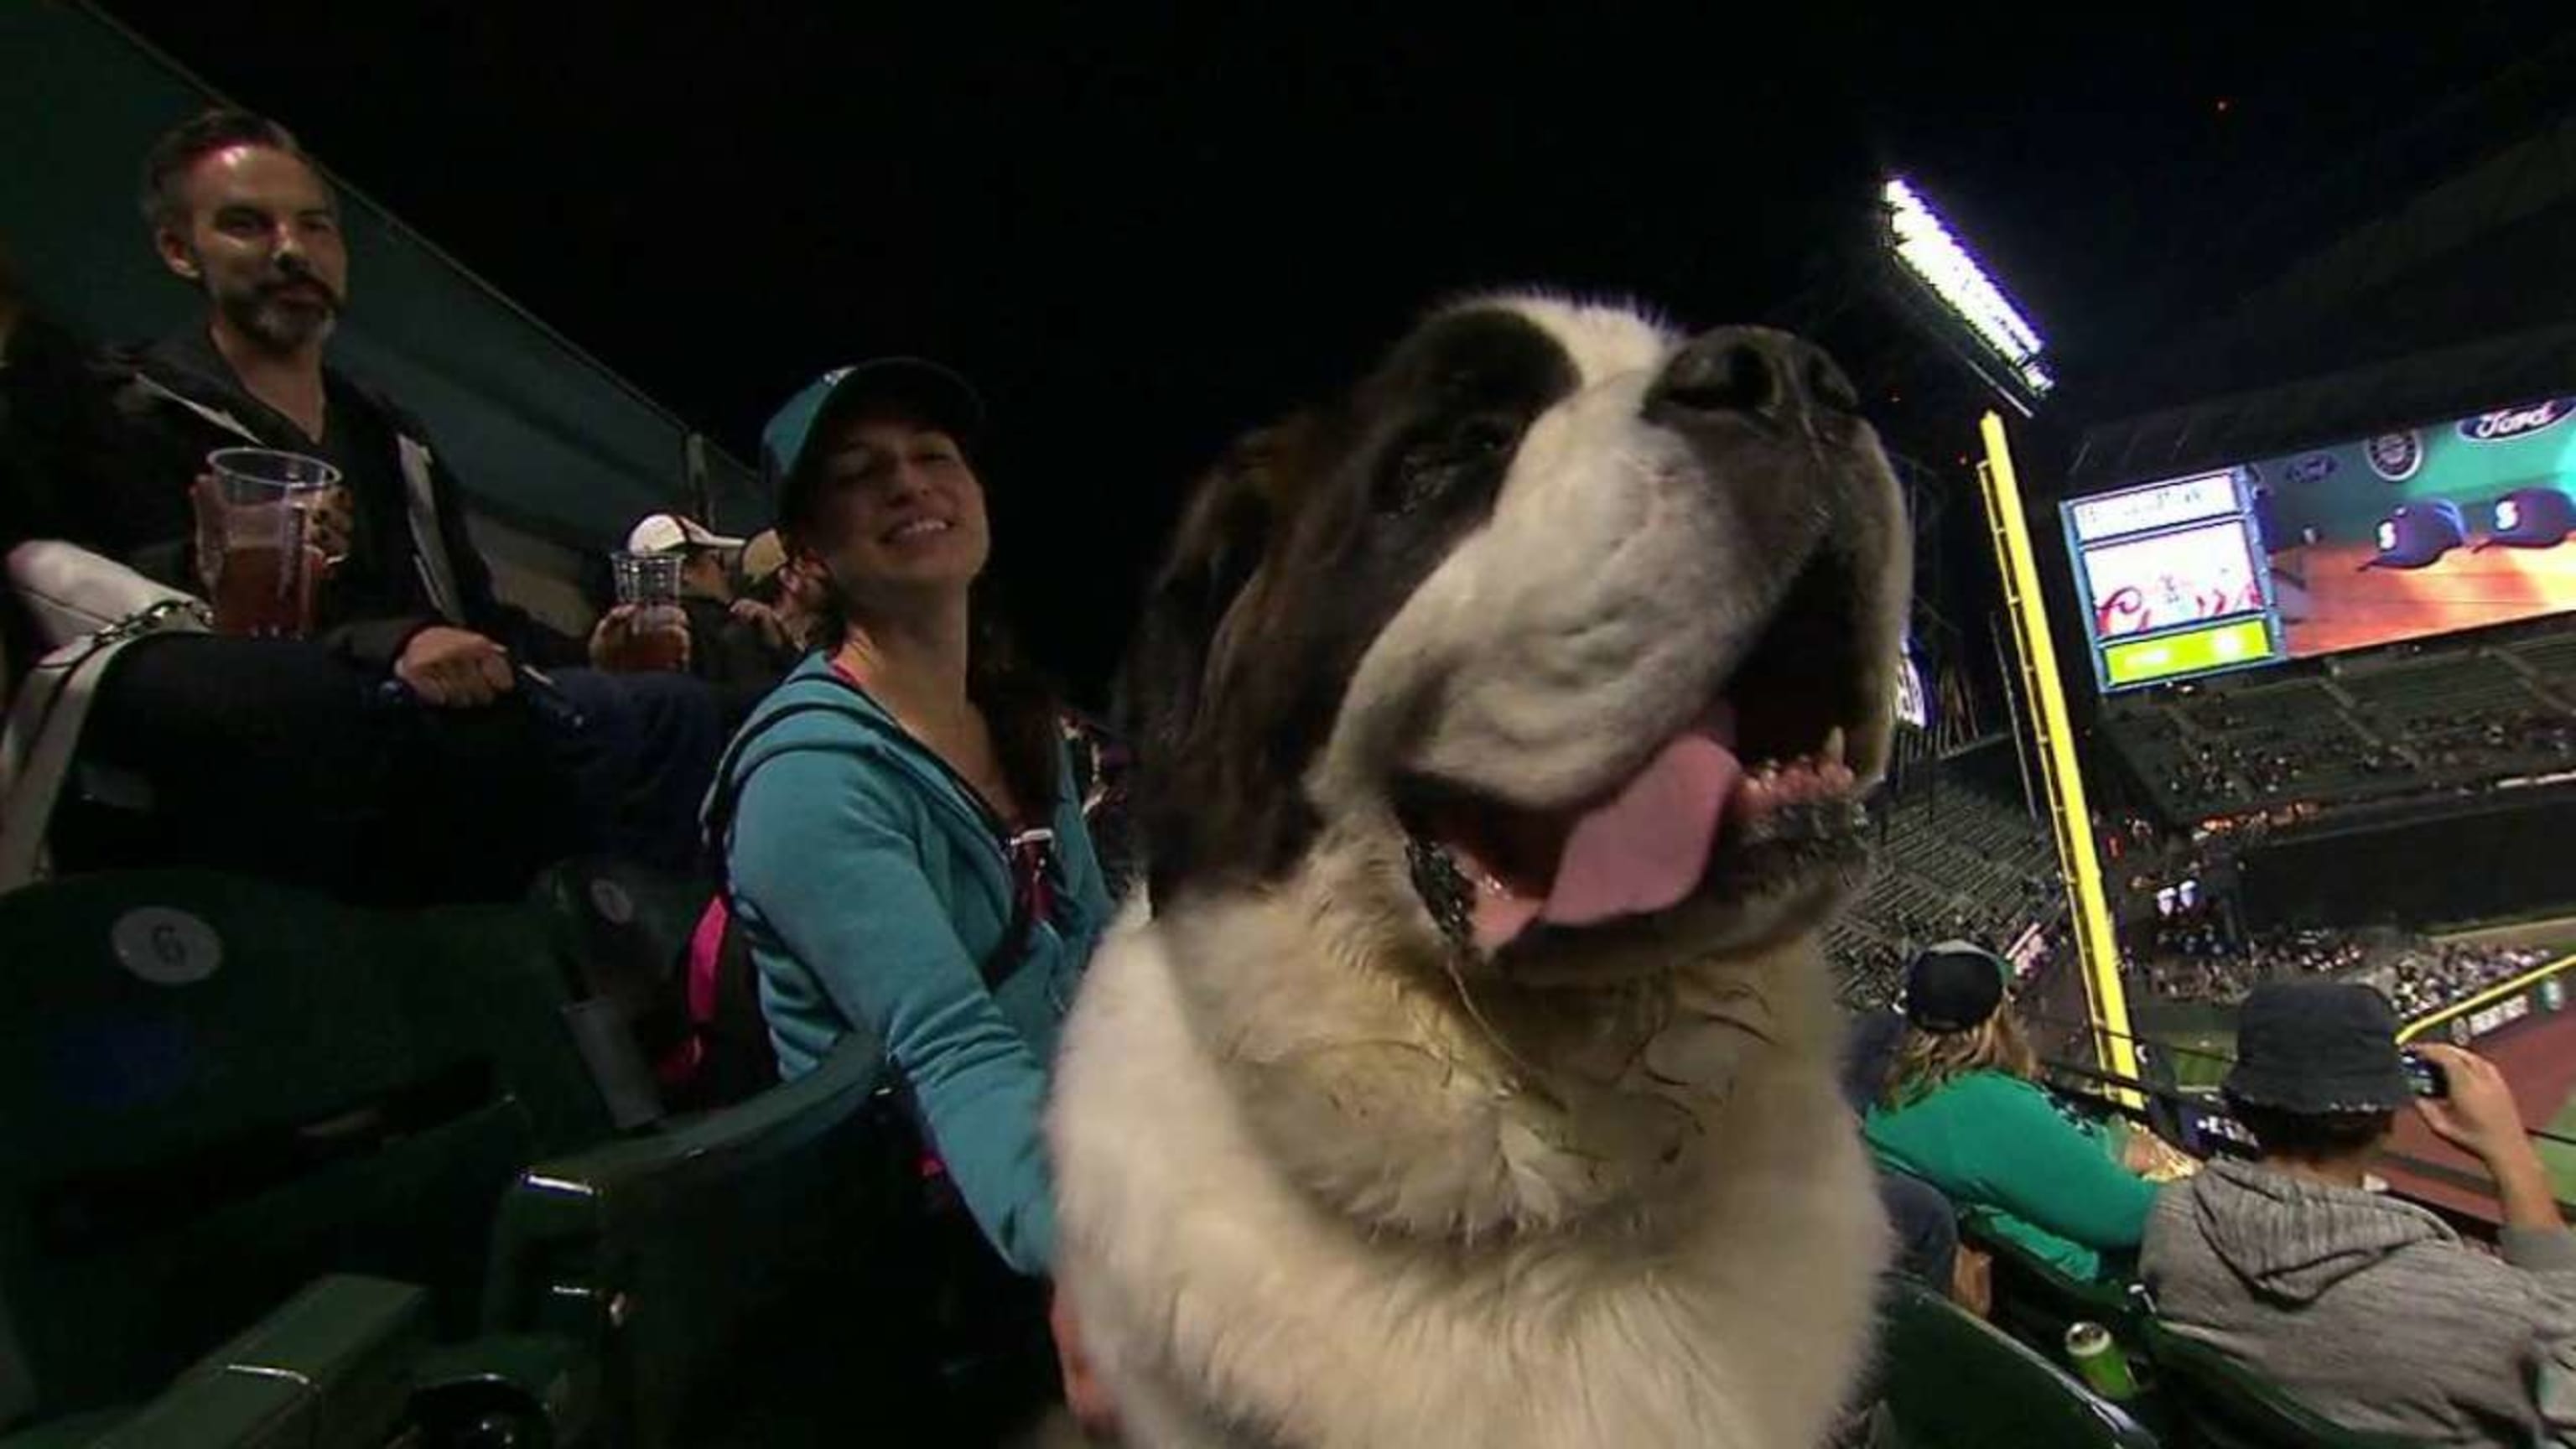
<point>1143,231</point>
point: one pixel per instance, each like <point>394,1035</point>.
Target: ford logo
<point>2504,423</point>
<point>2313,468</point>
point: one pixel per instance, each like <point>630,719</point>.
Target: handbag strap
<point>44,729</point>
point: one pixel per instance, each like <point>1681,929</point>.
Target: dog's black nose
<point>1748,370</point>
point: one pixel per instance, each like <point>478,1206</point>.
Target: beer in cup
<point>658,635</point>
<point>254,539</point>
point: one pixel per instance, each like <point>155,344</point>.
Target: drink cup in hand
<point>256,544</point>
<point>647,631</point>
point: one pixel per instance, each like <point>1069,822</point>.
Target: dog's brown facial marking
<point>1292,555</point>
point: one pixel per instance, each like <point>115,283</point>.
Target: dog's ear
<point>1224,531</point>
<point>1178,657</point>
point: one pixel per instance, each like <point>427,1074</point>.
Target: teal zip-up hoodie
<point>872,886</point>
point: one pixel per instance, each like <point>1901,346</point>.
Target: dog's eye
<point>1487,435</point>
<point>1463,451</point>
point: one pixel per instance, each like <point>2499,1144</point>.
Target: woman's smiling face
<point>902,512</point>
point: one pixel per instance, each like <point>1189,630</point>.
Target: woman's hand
<point>1083,1392</point>
<point>2154,1159</point>
<point>765,619</point>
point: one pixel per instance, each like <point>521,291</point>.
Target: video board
<point>2405,534</point>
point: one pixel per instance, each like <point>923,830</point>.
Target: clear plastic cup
<point>658,637</point>
<point>254,539</point>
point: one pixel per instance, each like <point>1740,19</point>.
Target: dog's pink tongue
<point>1647,849</point>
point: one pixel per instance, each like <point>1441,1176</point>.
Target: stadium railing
<point>2198,1122</point>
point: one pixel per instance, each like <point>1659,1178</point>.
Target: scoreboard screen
<point>2174,581</point>
<point>2410,533</point>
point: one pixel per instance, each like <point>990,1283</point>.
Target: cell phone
<point>548,700</point>
<point>2426,1076</point>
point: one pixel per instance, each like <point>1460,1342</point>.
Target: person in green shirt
<point>1959,1107</point>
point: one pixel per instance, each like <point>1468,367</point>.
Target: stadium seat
<point>2224,1405</point>
<point>2036,1301</point>
<point>339,1366</point>
<point>624,929</point>
<point>331,1367</point>
<point>215,1091</point>
<point>1953,1381</point>
<point>734,1273</point>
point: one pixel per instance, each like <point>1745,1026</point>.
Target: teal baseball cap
<point>933,393</point>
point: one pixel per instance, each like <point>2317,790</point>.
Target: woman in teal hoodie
<point>906,854</point>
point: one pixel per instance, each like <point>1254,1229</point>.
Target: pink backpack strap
<point>706,951</point>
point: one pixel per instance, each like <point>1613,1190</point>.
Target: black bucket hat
<point>2317,1048</point>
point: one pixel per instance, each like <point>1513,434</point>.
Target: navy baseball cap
<point>1954,987</point>
<point>926,390</point>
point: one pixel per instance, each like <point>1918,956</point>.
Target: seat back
<point>2226,1405</point>
<point>624,931</point>
<point>215,1090</point>
<point>732,1270</point>
<point>1953,1381</point>
<point>624,928</point>
<point>2036,1301</point>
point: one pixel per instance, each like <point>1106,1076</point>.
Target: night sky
<point>1142,233</point>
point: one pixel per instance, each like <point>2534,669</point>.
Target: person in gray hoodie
<point>2370,1311</point>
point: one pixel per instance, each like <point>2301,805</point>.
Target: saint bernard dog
<point>1463,1075</point>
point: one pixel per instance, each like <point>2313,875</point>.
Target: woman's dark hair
<point>1021,705</point>
<point>2312,1136</point>
<point>1020,702</point>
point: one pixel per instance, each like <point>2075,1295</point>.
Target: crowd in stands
<point>2422,982</point>
<point>2368,1311</point>
<point>2431,719</point>
<point>320,684</point>
<point>2204,961</point>
<point>2181,942</point>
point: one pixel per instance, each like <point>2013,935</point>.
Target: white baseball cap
<point>670,533</point>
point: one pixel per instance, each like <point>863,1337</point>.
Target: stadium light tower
<point>2007,350</point>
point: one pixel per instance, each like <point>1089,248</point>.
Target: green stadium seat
<point>732,1273</point>
<point>506,1391</point>
<point>215,1091</point>
<point>335,1367</point>
<point>2222,1404</point>
<point>626,926</point>
<point>330,1368</point>
<point>1953,1381</point>
<point>69,1431</point>
<point>624,929</point>
<point>2036,1301</point>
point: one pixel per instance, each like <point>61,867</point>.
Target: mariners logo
<point>2395,456</point>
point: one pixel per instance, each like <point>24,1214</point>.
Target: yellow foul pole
<point>2096,943</point>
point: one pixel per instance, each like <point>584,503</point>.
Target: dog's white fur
<point>1320,1187</point>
